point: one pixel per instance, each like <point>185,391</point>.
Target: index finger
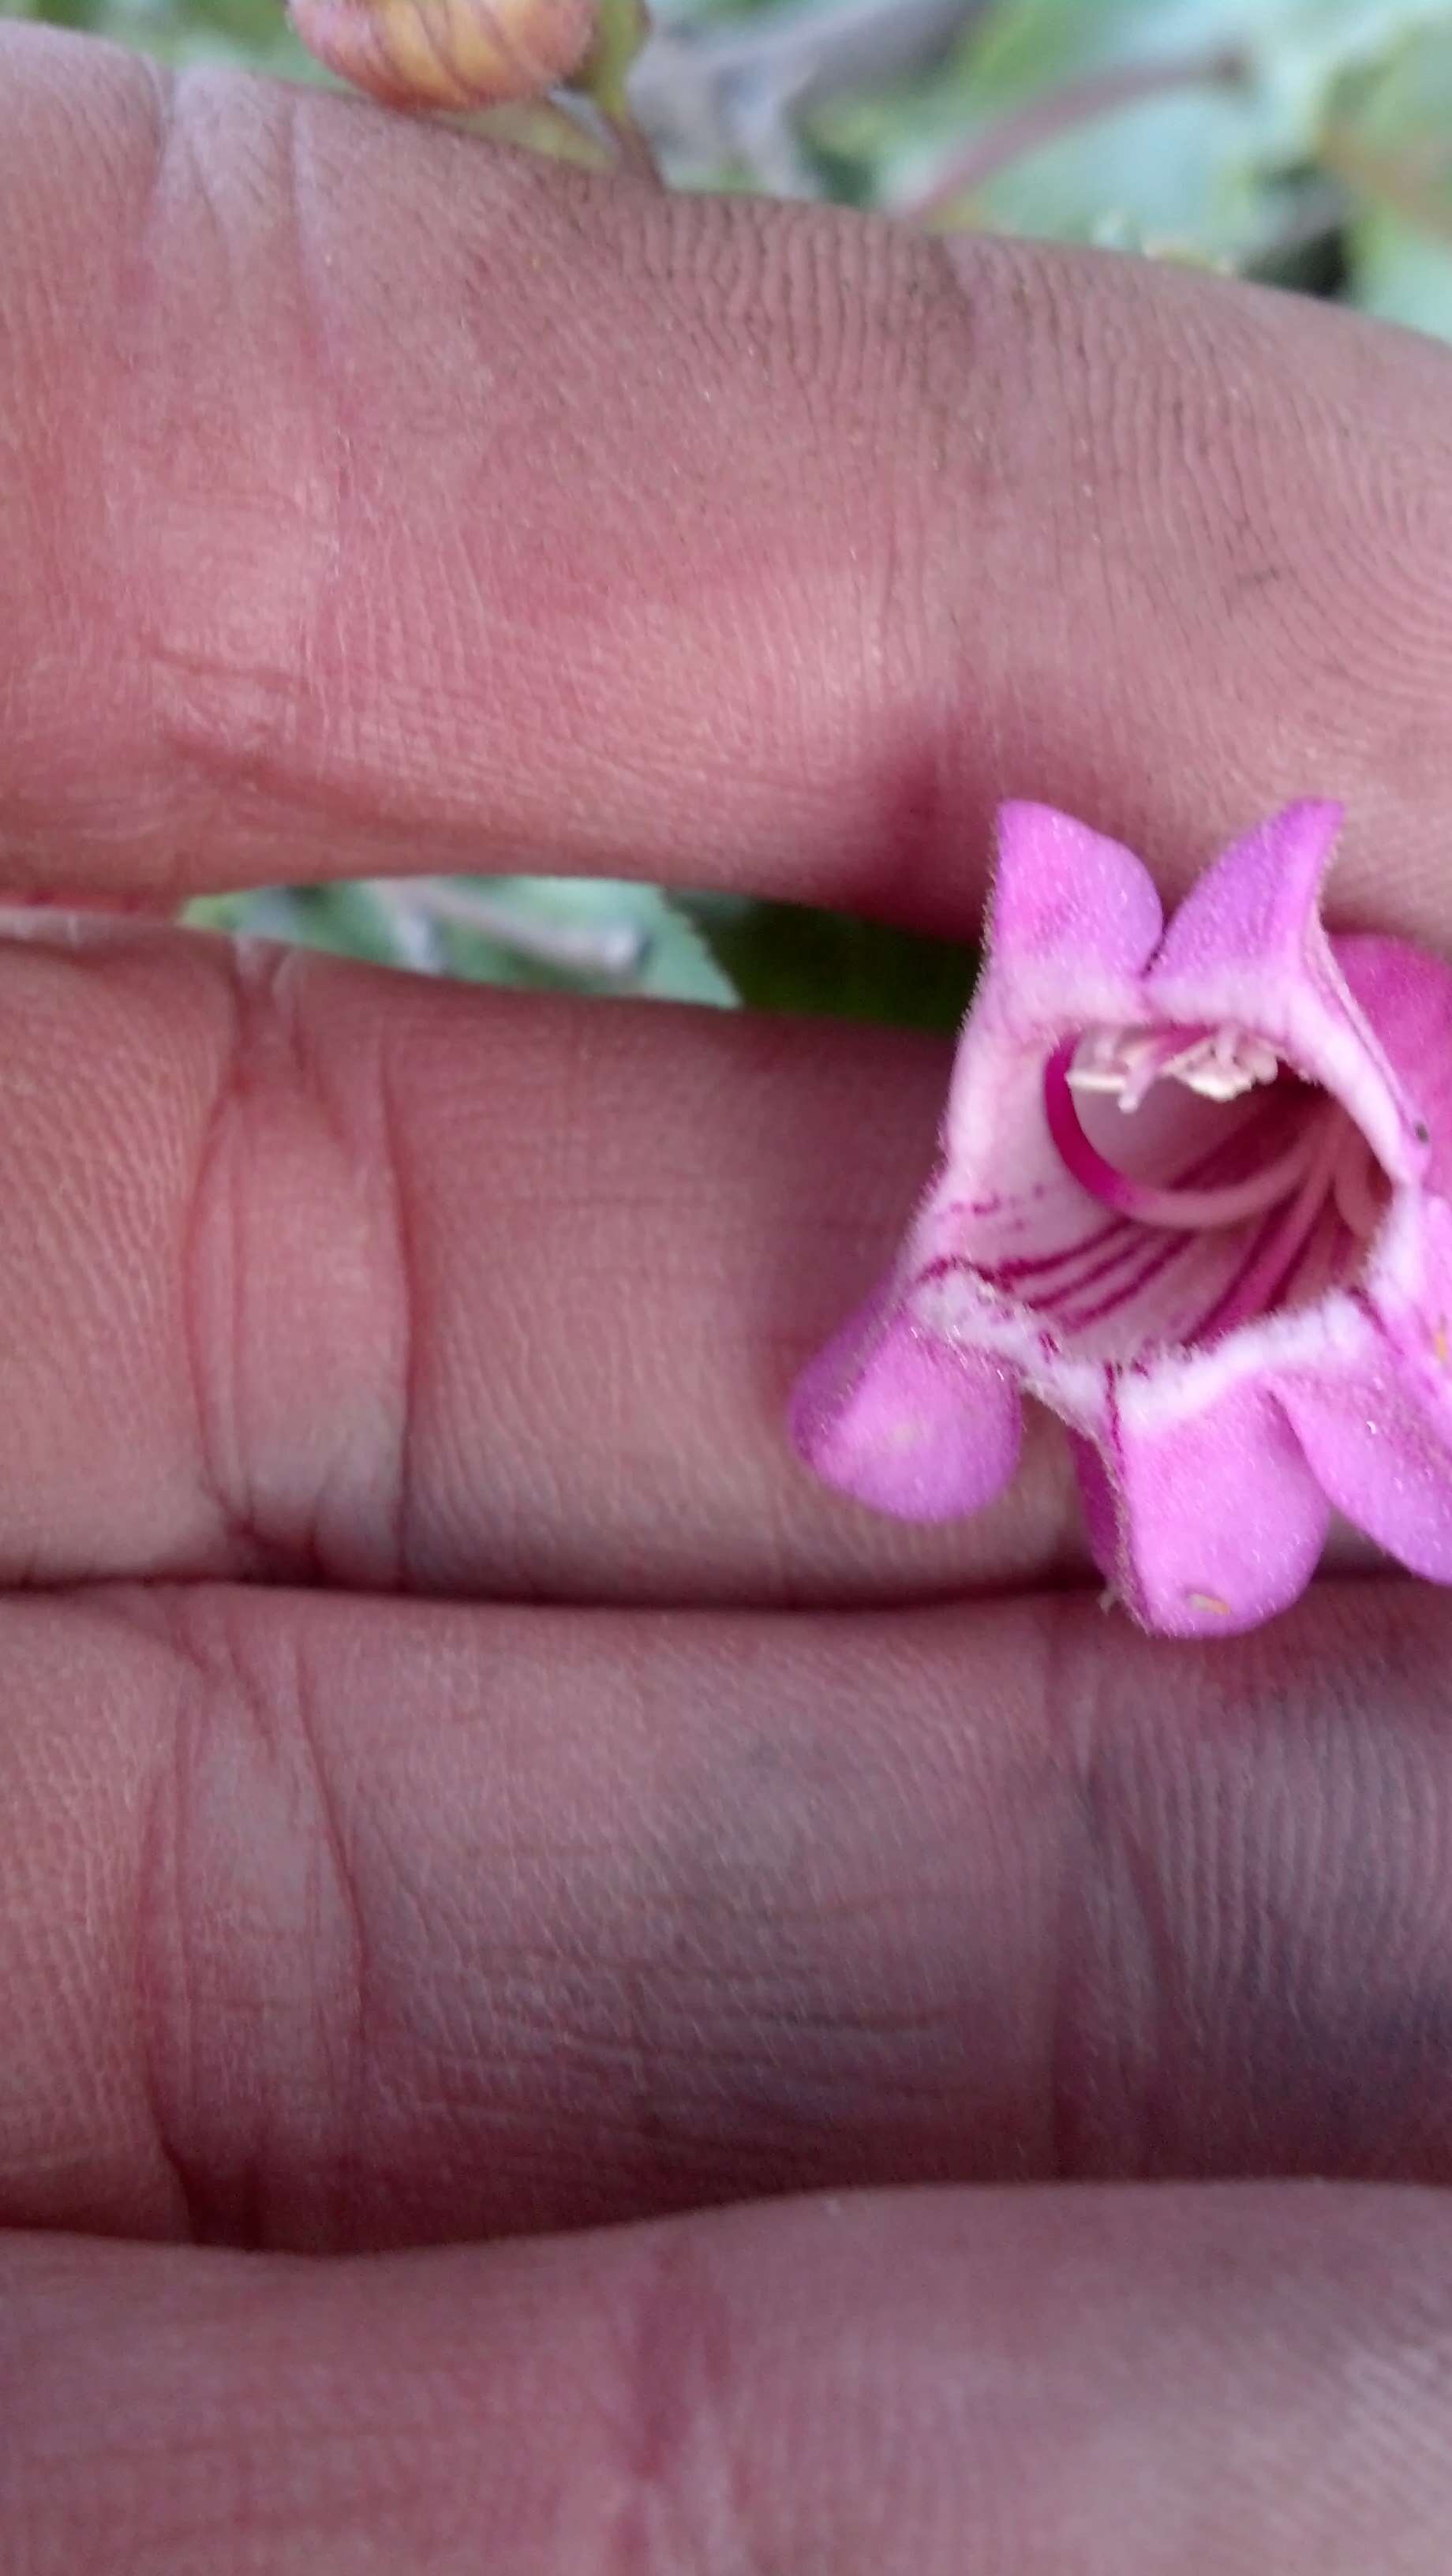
<point>374,500</point>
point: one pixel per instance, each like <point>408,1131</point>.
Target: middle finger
<point>332,1275</point>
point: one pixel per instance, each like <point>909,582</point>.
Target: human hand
<point>461,1780</point>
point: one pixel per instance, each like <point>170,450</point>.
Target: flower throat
<point>1300,1164</point>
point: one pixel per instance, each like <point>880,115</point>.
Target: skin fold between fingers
<point>340,1924</point>
<point>1219,2380</point>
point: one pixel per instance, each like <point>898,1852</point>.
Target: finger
<point>374,501</point>
<point>1252,2379</point>
<point>343,1276</point>
<point>344,1925</point>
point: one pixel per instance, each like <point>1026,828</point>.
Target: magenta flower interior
<point>1191,1199</point>
<point>1226,1188</point>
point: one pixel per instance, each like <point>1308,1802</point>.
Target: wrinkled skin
<point>442,1796</point>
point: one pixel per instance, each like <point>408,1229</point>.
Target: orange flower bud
<point>448,53</point>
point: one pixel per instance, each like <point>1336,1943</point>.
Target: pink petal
<point>1207,1522</point>
<point>905,1422</point>
<point>1406,998</point>
<point>1074,918</point>
<point>1247,947</point>
<point>1073,921</point>
<point>1255,910</point>
<point>1378,1439</point>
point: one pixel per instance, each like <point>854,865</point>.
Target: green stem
<point>1061,111</point>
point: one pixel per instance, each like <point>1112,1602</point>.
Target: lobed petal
<point>1207,1519</point>
<point>1372,1403</point>
<point>1247,947</point>
<point>1073,922</point>
<point>1379,1442</point>
<point>1255,913</point>
<point>906,1422</point>
<point>1406,997</point>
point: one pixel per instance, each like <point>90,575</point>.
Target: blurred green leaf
<point>784,957</point>
<point>674,961</point>
<point>1387,132</point>
<point>341,918</point>
<point>568,934</point>
<point>1203,165</point>
<point>252,34</point>
<point>1402,274</point>
<point>1189,164</point>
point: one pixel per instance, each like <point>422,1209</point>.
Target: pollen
<point>1209,1604</point>
<point>1126,1063</point>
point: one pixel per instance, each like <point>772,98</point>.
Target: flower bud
<point>457,54</point>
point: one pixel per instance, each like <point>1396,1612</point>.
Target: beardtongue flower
<point>1195,1197</point>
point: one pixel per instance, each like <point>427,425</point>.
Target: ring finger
<point>337,1923</point>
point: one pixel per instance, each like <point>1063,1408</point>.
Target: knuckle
<point>295,1289</point>
<point>227,460</point>
<point>246,1872</point>
<point>674,2425</point>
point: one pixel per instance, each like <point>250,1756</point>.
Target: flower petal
<point>1256,909</point>
<point>1406,997</point>
<point>904,1421</point>
<point>1371,1397</point>
<point>1246,948</point>
<point>1384,1460</point>
<point>1073,922</point>
<point>1205,1521</point>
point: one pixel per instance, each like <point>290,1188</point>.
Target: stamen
<point>1219,1064</point>
<point>1182,1210</point>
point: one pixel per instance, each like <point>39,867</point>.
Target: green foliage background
<point>1326,166</point>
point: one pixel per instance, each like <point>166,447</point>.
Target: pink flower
<point>1194,1198</point>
